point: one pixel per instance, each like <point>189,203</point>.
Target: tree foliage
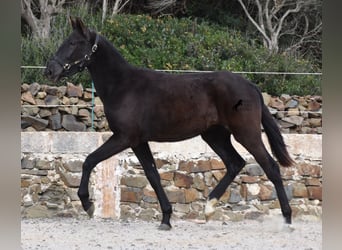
<point>286,23</point>
<point>179,43</point>
<point>38,15</point>
<point>288,26</point>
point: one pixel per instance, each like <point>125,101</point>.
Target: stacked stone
<point>64,108</point>
<point>296,114</point>
<point>49,185</point>
<point>69,108</point>
<point>188,184</point>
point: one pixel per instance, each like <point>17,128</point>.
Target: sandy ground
<point>72,234</point>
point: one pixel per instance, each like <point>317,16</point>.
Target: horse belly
<point>181,124</point>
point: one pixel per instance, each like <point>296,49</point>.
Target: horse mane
<point>109,47</point>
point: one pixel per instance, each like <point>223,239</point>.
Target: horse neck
<point>107,67</point>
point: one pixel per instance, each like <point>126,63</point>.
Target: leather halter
<point>81,62</point>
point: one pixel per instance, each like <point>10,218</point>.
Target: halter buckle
<point>67,66</point>
<point>94,48</point>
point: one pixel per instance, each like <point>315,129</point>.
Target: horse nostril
<point>47,72</point>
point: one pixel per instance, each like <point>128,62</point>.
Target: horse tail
<point>275,138</point>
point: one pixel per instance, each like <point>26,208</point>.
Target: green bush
<point>171,43</point>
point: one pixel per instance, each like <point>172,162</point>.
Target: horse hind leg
<point>218,138</point>
<point>253,143</point>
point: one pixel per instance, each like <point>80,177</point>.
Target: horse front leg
<point>112,146</point>
<point>218,138</point>
<point>145,157</point>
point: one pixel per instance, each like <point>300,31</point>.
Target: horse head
<point>75,52</point>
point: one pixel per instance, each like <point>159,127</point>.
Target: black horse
<point>143,105</point>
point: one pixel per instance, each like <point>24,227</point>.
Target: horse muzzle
<point>53,71</point>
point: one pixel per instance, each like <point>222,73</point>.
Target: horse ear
<point>72,22</point>
<point>82,28</point>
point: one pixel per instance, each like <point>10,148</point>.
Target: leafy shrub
<point>171,43</point>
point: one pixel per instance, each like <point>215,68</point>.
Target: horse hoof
<point>164,227</point>
<point>210,208</point>
<point>288,228</point>
<point>208,216</point>
<point>91,210</point>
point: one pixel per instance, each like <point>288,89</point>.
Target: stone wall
<point>51,165</point>
<point>69,108</point>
